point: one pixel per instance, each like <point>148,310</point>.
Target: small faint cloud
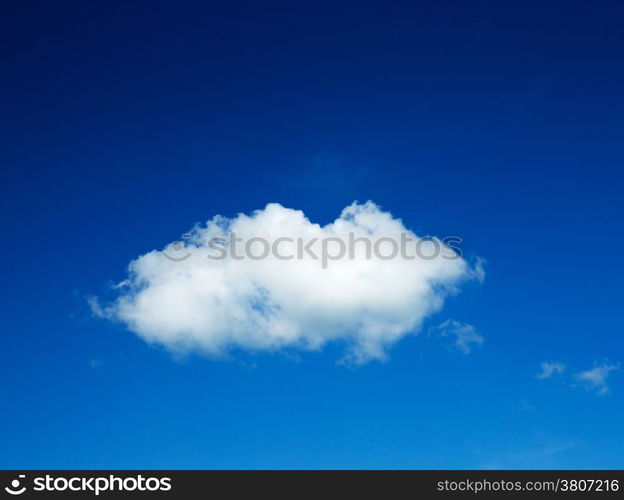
<point>548,369</point>
<point>479,270</point>
<point>121,284</point>
<point>526,405</point>
<point>465,336</point>
<point>595,379</point>
<point>94,303</point>
<point>250,365</point>
<point>293,357</point>
<point>95,363</point>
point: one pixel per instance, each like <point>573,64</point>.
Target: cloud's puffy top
<point>271,304</point>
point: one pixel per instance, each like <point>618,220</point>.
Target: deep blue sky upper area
<point>124,123</point>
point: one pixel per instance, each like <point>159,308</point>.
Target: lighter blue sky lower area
<point>428,406</point>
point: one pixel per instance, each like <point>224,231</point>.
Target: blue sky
<point>123,125</point>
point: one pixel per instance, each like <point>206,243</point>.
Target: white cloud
<point>595,379</point>
<point>216,306</point>
<point>465,336</point>
<point>548,369</point>
<point>95,363</point>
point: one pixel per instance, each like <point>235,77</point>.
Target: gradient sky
<point>124,123</point>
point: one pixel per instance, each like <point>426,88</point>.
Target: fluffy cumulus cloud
<point>201,295</point>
